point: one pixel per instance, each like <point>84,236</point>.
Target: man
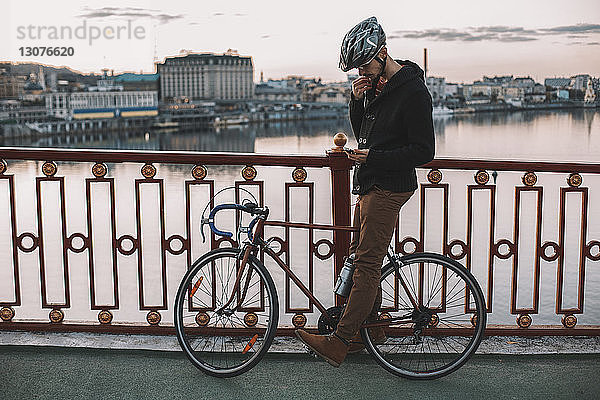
<point>390,114</point>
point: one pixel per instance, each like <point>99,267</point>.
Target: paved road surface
<point>28,372</point>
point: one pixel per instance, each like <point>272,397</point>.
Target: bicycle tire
<point>447,340</point>
<point>230,345</point>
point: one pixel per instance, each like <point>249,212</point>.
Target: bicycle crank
<point>328,325</point>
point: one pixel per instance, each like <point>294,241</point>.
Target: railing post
<point>340,186</point>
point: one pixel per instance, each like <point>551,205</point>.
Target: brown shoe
<point>377,337</point>
<point>330,347</point>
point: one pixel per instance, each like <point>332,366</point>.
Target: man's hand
<point>360,86</point>
<point>358,155</point>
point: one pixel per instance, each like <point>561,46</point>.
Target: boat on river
<point>232,120</point>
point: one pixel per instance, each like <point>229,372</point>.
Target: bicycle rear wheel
<point>439,335</point>
<point>231,341</point>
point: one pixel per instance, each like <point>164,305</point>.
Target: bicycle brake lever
<point>203,221</point>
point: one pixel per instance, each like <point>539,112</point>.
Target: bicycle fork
<point>245,257</point>
<point>246,253</point>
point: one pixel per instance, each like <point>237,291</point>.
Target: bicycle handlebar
<point>249,207</point>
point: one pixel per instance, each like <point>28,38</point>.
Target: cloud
<point>265,36</point>
<point>467,35</point>
<point>503,29</point>
<point>594,44</point>
<point>498,33</point>
<point>222,14</point>
<point>128,12</point>
<point>577,28</point>
<point>517,39</point>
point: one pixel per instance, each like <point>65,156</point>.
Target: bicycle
<point>227,308</point>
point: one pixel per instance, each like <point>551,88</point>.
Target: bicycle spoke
<point>440,336</point>
<point>434,276</point>
<point>221,345</point>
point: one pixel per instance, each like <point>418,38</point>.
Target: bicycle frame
<point>259,244</point>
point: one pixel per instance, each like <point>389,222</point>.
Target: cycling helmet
<point>361,44</point>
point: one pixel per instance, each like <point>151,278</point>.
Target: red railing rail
<point>16,315</point>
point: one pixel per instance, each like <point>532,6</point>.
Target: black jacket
<point>397,128</point>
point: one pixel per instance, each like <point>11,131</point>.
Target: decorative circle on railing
<point>84,242</point>
<point>529,179</point>
<point>555,248</point>
<point>153,317</point>
<point>524,321</point>
<point>435,320</point>
<point>299,320</point>
<point>509,253</point>
<point>299,174</point>
<point>574,180</point>
<point>323,256</point>
<point>105,317</point>
<point>282,246</point>
<point>49,168</point>
<point>199,172</point>
<point>99,170</point>
<point>56,316</point>
<point>133,242</point>
<point>250,319</point>
<point>474,320</point>
<point>248,172</point>
<point>181,249</point>
<point>202,318</point>
<point>434,176</point>
<point>148,171</point>
<point>569,321</point>
<point>223,239</point>
<point>3,166</point>
<point>34,242</point>
<point>407,240</point>
<point>482,177</point>
<point>452,245</point>
<point>588,250</point>
<point>7,313</point>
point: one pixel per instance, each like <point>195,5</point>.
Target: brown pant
<point>376,214</point>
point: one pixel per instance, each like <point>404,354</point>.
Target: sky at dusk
<point>465,39</point>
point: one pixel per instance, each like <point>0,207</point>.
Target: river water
<point>554,136</point>
<point>569,135</point>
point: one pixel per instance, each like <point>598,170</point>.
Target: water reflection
<point>563,135</point>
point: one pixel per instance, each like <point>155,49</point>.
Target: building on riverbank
<point>91,105</point>
<point>106,100</point>
<point>13,111</point>
<point>206,76</point>
<point>266,92</point>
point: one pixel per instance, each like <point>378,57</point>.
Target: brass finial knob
<point>340,139</point>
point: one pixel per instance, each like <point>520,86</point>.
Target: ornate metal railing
<point>98,240</point>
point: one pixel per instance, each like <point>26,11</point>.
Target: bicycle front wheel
<point>440,317</point>
<point>228,341</point>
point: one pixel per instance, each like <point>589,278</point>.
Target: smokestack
<point>425,61</point>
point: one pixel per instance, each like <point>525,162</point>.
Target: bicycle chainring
<point>324,325</point>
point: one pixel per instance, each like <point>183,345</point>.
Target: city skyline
<point>463,46</point>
